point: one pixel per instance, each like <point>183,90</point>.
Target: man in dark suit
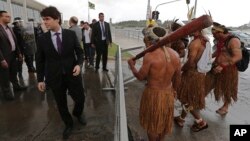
<point>59,58</point>
<point>9,51</point>
<point>101,39</point>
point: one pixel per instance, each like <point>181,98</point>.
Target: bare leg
<point>199,124</point>
<point>225,106</point>
<point>196,114</point>
<point>179,120</point>
<point>161,137</point>
<point>153,137</point>
<point>183,114</point>
<point>224,109</point>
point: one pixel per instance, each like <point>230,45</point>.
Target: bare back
<point>160,71</point>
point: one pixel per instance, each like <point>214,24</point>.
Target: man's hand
<point>76,70</point>
<point>41,86</point>
<point>4,64</point>
<point>131,62</point>
<point>218,69</point>
<point>93,45</point>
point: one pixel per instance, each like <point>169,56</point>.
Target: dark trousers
<point>90,52</point>
<point>75,87</point>
<point>102,51</point>
<point>29,59</point>
<point>86,53</point>
<point>9,75</point>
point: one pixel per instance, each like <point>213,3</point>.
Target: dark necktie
<point>103,30</point>
<point>58,43</point>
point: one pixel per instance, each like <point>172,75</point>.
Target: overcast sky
<point>227,12</point>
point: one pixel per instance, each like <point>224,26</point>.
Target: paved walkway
<point>33,116</point>
<point>218,130</point>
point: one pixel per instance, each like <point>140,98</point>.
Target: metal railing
<point>121,127</point>
<point>121,130</point>
<point>130,33</point>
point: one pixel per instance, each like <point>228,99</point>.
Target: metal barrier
<point>121,128</point>
<point>130,33</point>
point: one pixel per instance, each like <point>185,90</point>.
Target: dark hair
<point>52,12</point>
<point>175,26</point>
<point>100,14</point>
<point>81,22</point>
<point>225,29</point>
<point>74,20</point>
<point>1,12</point>
<point>86,23</point>
<point>94,21</point>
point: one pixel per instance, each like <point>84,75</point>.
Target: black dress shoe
<point>105,69</point>
<point>81,120</point>
<point>67,132</point>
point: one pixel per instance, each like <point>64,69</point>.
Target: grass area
<point>113,49</point>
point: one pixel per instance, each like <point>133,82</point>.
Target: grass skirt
<point>157,110</point>
<point>192,89</point>
<point>225,84</point>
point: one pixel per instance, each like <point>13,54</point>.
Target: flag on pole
<point>91,5</point>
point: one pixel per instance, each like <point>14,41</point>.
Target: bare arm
<point>193,50</point>
<point>144,70</point>
<point>176,80</point>
<point>234,45</point>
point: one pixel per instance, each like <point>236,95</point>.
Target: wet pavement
<point>33,116</point>
<point>218,129</point>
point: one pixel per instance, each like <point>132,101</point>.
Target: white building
<point>26,9</point>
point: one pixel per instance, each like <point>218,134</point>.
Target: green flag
<point>91,5</point>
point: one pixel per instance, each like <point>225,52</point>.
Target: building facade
<point>26,9</point>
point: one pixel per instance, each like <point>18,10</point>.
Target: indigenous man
<point>179,45</point>
<point>161,70</point>
<point>192,89</point>
<point>223,78</point>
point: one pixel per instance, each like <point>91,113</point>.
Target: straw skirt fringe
<point>225,84</point>
<point>157,110</point>
<point>192,89</point>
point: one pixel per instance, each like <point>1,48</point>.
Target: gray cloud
<point>234,13</point>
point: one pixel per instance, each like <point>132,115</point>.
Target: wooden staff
<point>195,25</point>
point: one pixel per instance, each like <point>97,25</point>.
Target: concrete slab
<point>33,116</point>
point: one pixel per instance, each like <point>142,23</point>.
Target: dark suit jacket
<point>97,33</point>
<point>50,64</point>
<point>5,45</point>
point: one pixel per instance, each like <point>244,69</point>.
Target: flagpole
<point>88,13</point>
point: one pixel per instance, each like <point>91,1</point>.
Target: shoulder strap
<point>229,38</point>
<point>227,42</point>
<point>167,56</point>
